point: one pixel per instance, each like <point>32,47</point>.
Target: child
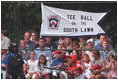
<point>32,67</point>
<point>61,44</point>
<point>112,66</point>
<point>57,62</point>
<point>43,72</point>
<point>75,45</point>
<point>97,66</point>
<point>74,69</point>
<point>3,64</point>
<point>89,45</point>
<point>86,61</point>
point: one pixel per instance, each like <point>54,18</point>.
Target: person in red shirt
<point>74,68</point>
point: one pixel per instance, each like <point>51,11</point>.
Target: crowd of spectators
<point>61,58</point>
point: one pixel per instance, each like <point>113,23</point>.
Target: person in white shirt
<point>44,73</point>
<point>87,65</point>
<point>5,41</point>
<point>32,67</point>
<point>89,45</point>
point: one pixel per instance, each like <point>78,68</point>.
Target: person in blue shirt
<point>57,63</point>
<point>107,50</point>
<point>28,45</point>
<point>102,38</point>
<point>3,64</point>
<point>39,51</point>
<point>49,43</point>
<point>14,62</point>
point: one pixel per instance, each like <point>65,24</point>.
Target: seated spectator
<point>5,41</point>
<point>57,63</point>
<point>3,64</point>
<point>89,45</point>
<point>87,65</point>
<point>82,42</point>
<point>74,68</point>
<point>68,43</point>
<point>49,43</point>
<point>32,67</point>
<point>75,45</point>
<point>44,73</point>
<point>112,66</point>
<point>97,66</point>
<point>106,52</point>
<point>65,52</point>
<point>29,44</point>
<point>34,37</point>
<point>47,53</point>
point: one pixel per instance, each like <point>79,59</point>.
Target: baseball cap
<point>3,51</point>
<point>57,51</point>
<point>74,57</point>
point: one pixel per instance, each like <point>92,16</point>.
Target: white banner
<point>63,22</point>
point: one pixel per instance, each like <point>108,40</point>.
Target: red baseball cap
<point>3,51</point>
<point>96,67</point>
<point>74,57</point>
<point>57,51</point>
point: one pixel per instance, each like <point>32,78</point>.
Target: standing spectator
<point>68,42</point>
<point>47,53</point>
<point>5,41</point>
<point>29,44</point>
<point>60,44</point>
<point>112,66</point>
<point>82,42</point>
<point>102,39</point>
<point>3,64</point>
<point>34,37</point>
<point>49,43</point>
<point>14,62</point>
<point>32,67</point>
<point>106,52</point>
<point>60,39</point>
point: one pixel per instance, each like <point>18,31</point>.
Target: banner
<point>63,22</point>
